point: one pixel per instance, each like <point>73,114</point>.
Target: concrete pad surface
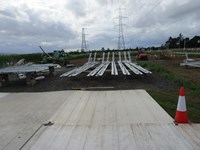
<point>21,114</point>
<point>126,119</point>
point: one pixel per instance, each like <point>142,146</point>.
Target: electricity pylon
<point>121,43</point>
<point>83,45</point>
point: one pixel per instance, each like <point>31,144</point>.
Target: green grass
<point>15,58</point>
<point>160,68</point>
<point>168,102</point>
<point>36,58</point>
<point>77,56</point>
<point>168,99</point>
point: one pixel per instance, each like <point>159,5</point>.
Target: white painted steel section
<point>82,69</point>
<point>113,65</point>
<point>123,68</point>
<point>125,58</point>
<point>108,56</point>
<point>181,104</point>
<point>113,56</point>
<point>120,58</point>
<point>95,54</point>
<point>92,73</point>
<point>191,64</point>
<point>99,70</point>
<point>103,69</point>
<point>103,57</point>
<point>89,58</point>
<point>79,70</point>
<point>134,70</point>
<point>114,69</point>
<point>26,68</point>
<point>69,73</point>
<point>105,65</point>
<point>140,68</point>
<point>129,56</point>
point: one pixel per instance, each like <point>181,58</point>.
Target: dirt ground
<point>106,82</point>
<point>82,82</point>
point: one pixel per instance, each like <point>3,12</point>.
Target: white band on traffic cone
<point>181,104</point>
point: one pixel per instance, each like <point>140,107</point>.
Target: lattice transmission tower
<point>83,45</point>
<point>121,43</point>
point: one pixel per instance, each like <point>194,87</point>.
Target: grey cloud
<point>6,13</point>
<point>78,7</point>
<point>104,2</point>
<point>144,13</point>
<point>36,26</point>
<point>178,11</point>
<point>172,14</point>
<point>149,23</point>
<point>26,34</point>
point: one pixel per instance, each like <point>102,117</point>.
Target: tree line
<point>181,42</point>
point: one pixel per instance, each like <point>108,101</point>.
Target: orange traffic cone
<point>181,112</point>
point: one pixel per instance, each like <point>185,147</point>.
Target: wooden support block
<point>3,79</point>
<point>51,71</point>
<point>30,78</point>
<point>1,84</point>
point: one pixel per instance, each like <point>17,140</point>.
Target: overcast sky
<point>57,24</point>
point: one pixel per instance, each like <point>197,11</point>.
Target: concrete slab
<point>21,114</point>
<point>191,133</point>
<point>112,120</point>
<point>3,94</point>
<point>90,120</point>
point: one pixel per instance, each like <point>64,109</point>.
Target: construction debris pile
<point>125,65</point>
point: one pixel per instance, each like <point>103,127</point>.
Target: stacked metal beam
<point>195,64</point>
<point>89,58</point>
<point>128,64</point>
<point>140,68</point>
<point>125,66</point>
<point>76,71</point>
<point>122,67</point>
<point>105,66</point>
<point>103,69</point>
<point>27,71</point>
<point>92,73</point>
<point>113,65</point>
<point>134,70</point>
<point>99,71</point>
<point>26,68</point>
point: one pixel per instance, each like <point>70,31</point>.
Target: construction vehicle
<point>142,55</point>
<point>58,57</point>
